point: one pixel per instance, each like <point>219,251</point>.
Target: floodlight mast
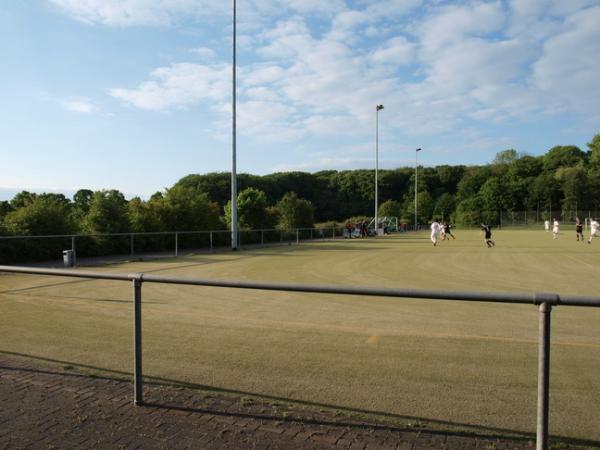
<point>416,185</point>
<point>234,212</point>
<point>377,109</point>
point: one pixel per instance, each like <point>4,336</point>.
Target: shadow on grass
<point>356,417</point>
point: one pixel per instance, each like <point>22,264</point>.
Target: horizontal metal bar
<point>494,297</point>
<point>69,273</point>
<point>149,233</point>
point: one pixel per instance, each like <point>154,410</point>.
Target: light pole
<point>234,212</point>
<point>377,109</point>
<point>416,178</point>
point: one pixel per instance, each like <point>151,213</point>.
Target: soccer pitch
<point>466,364</point>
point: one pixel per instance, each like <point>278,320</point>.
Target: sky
<point>135,94</point>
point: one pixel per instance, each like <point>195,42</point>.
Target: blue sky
<point>135,94</point>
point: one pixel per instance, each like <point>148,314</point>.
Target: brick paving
<point>43,406</point>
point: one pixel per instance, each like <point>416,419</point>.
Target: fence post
<point>176,244</point>
<point>73,249</point>
<point>281,236</point>
<point>333,234</point>
<point>543,401</point>
<point>137,340</point>
<point>131,249</point>
<point>311,234</point>
<point>262,237</point>
<point>211,241</point>
<point>297,236</point>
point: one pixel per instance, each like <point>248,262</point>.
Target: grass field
<point>462,363</point>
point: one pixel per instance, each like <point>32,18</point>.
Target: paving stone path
<point>45,406</point>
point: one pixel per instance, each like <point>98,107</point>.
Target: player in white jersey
<point>594,225</point>
<point>555,228</point>
<point>435,232</point>
<point>547,225</point>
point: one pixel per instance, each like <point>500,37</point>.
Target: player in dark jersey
<point>448,231</point>
<point>579,228</point>
<point>488,235</point>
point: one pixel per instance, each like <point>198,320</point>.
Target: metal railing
<point>211,239</point>
<point>544,301</point>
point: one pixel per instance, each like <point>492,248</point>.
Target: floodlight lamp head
<point>379,107</point>
<point>418,149</point>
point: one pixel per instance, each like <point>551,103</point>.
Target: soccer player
<point>547,225</point>
<point>579,228</point>
<point>594,225</point>
<point>448,231</point>
<point>435,232</point>
<point>488,235</point>
<point>555,229</point>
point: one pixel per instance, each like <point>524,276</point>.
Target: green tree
<point>82,200</point>
<point>39,216</point>
<point>574,185</point>
<point>390,208</point>
<point>526,166</point>
<point>471,212</point>
<point>5,208</point>
<point>472,181</point>
<point>252,210</point>
<point>425,204</point>
<point>594,152</point>
<point>144,216</point>
<point>186,209</point>
<point>294,212</point>
<point>444,206</point>
<point>22,199</point>
<point>107,213</point>
<point>506,157</point>
<point>494,194</point>
<point>563,156</point>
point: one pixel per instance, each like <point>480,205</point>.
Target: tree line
<point>565,177</point>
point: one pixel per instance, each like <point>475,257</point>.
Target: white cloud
<point>569,67</point>
<point>452,24</point>
<point>80,105</point>
<point>473,61</point>
<point>263,75</point>
<point>391,8</point>
<point>315,6</point>
<point>178,86</point>
<point>204,53</point>
<point>136,12</point>
<point>397,50</point>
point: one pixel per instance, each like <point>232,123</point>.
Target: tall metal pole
<point>377,109</point>
<point>234,212</point>
<point>138,398</point>
<point>543,403</point>
<point>416,184</point>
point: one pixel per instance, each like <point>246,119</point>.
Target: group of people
<point>440,231</point>
<point>360,229</point>
<point>594,225</point>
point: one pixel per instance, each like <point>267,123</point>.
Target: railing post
<point>543,402</point>
<point>131,249</point>
<point>176,244</point>
<point>211,241</point>
<point>73,249</point>
<point>137,340</point>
